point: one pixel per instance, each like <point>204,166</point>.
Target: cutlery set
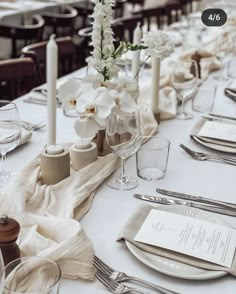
<point>112,279</point>
<point>231,211</point>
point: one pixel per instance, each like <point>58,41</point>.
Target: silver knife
<point>166,201</point>
<point>223,204</point>
<point>222,116</point>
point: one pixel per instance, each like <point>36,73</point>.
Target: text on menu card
<point>194,237</point>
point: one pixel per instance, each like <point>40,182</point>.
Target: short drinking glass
<point>32,275</point>
<point>152,158</point>
<point>203,100</point>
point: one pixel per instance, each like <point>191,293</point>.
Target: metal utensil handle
<point>218,202</point>
<point>151,285</point>
<point>226,158</point>
<point>214,209</point>
<point>227,161</point>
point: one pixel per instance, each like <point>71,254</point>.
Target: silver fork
<point>120,276</point>
<point>115,287</point>
<point>209,156</point>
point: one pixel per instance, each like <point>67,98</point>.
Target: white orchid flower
<point>86,127</point>
<point>68,93</point>
<point>96,104</point>
<point>123,101</point>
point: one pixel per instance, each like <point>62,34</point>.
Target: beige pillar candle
<point>55,164</point>
<point>83,155</point>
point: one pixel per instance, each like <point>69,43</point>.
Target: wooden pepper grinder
<point>9,231</point>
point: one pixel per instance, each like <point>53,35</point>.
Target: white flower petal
<point>86,127</point>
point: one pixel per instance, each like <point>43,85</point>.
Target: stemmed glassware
<point>10,135</point>
<point>185,82</point>
<point>224,52</point>
<point>123,135</point>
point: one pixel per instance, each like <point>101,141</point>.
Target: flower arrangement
<point>159,45</point>
<point>94,96</point>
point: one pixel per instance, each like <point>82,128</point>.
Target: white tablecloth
<point>111,208</point>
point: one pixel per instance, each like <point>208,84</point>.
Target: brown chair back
<point>124,27</point>
<point>173,10</point>
<point>61,24</point>
<point>17,77</point>
<point>27,33</point>
<point>150,15</point>
<point>66,57</point>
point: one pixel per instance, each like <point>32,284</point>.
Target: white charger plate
<point>175,268</point>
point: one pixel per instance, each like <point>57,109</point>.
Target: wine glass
<point>224,52</point>
<point>185,82</point>
<point>10,135</point>
<point>123,135</point>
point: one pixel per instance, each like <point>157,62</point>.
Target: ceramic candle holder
<point>55,164</point>
<point>83,155</point>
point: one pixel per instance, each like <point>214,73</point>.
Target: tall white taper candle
<point>155,84</point>
<point>52,64</point>
<point>136,54</point>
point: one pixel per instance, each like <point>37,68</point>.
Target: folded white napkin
<point>135,222</point>
<point>232,86</point>
<point>217,141</point>
<point>208,61</point>
<point>25,137</point>
<point>167,100</point>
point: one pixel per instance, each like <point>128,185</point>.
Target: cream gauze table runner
<point>49,215</point>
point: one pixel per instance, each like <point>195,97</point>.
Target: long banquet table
<point>111,208</point>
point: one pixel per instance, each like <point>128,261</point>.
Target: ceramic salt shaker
<point>9,231</point>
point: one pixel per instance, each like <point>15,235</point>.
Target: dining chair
<point>161,15</point>
<point>22,35</point>
<point>17,77</point>
<point>124,27</point>
<point>173,10</point>
<point>139,3</point>
<point>187,6</point>
<point>67,61</point>
<point>84,10</point>
<point>152,15</point>
<point>85,42</point>
<point>61,23</point>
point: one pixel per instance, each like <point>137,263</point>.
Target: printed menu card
<point>194,237</point>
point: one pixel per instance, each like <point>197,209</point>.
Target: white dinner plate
<point>213,146</point>
<point>196,138</point>
<point>175,268</point>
